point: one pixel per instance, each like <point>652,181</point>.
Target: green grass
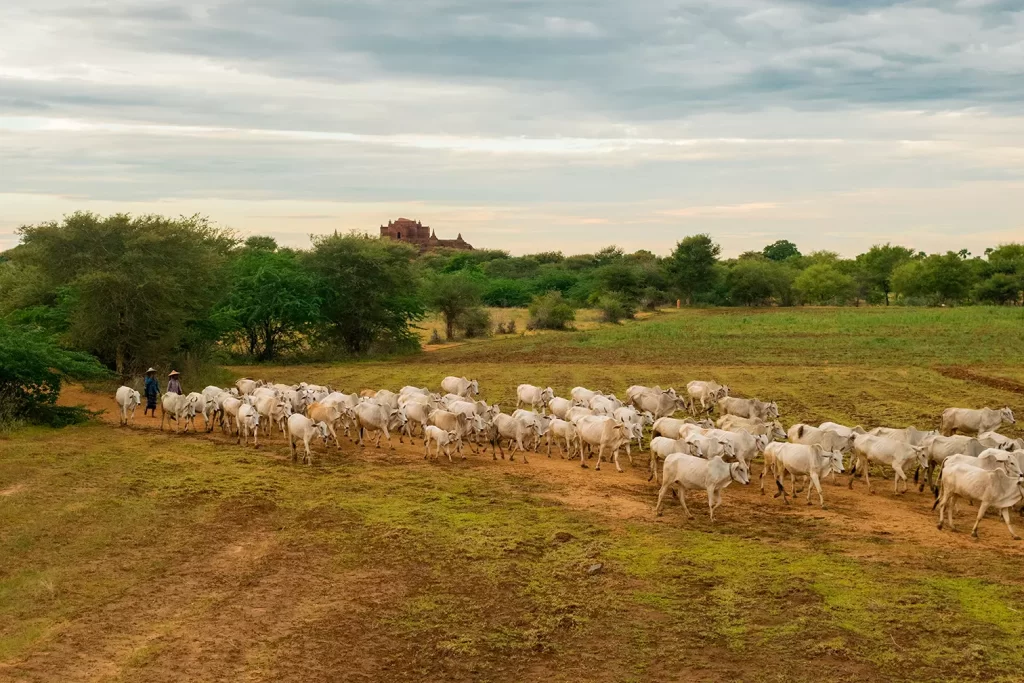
<point>131,555</point>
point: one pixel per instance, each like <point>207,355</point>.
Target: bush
<point>551,312</point>
<point>614,308</point>
<point>476,322</point>
<point>32,369</point>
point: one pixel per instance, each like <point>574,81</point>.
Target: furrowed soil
<point>131,554</point>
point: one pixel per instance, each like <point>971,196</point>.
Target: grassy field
<point>130,555</point>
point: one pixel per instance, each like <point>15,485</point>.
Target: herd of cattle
<point>974,462</point>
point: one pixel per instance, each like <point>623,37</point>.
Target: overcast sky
<point>526,125</point>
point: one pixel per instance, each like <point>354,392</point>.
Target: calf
<point>687,473</point>
<point>441,438</point>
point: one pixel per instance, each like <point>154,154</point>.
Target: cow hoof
<point>974,535</point>
<point>1016,538</point>
<point>691,517</point>
<point>939,527</point>
<point>583,465</point>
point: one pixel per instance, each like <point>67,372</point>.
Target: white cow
<point>538,423</point>
<point>731,423</point>
<point>689,473</point>
<point>560,407</point>
<point>441,439</point>
<point>841,430</point>
<point>581,395</point>
<point>331,414</point>
<point>508,427</point>
<point>466,388</point>
<point>180,408</point>
<point>246,386</point>
<point>661,447</point>
<point>910,435</point>
<point>636,421</point>
<point>655,401</point>
<point>748,407</point>
<point>805,460</point>
<point>974,421</point>
<point>706,393</point>
<point>673,427</point>
<point>202,407</point>
<point>745,445</point>
<point>605,405</point>
<point>248,420</point>
<point>560,430</point>
<point>301,428</point>
<point>416,414</point>
<point>829,440</point>
<point>997,440</point>
<point>375,417</point>
<point>535,397</point>
<point>896,454</point>
<point>606,433</point>
<point>937,448</point>
<point>273,411</point>
<point>989,488</point>
<point>128,400</point>
<point>577,412</point>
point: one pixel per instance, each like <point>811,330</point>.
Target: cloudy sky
<point>524,124</point>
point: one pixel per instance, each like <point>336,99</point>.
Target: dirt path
<point>869,525</point>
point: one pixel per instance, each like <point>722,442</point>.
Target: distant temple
<point>414,232</point>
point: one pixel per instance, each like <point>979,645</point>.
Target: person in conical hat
<point>174,383</point>
<point>152,391</point>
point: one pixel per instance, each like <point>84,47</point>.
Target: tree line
<point>133,291</point>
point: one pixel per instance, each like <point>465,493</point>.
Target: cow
<point>535,397</point>
<point>330,414</point>
<point>441,438</point>
<point>466,388</point>
<point>416,413</point>
<point>180,408</point>
<point>375,417</point>
<point>937,448</point>
<point>304,429</point>
<point>655,401</point>
<point>273,411</point>
<point>565,431</point>
<point>974,421</point>
<point>387,398</point>
<point>248,420</point>
<point>581,395</point>
<point>910,435</point>
<point>508,427</point>
<point>707,393</point>
<point>689,473</point>
<point>636,422</point>
<point>673,427</point>
<point>841,430</point>
<point>745,446</point>
<point>773,430</point>
<point>661,447</point>
<point>1004,443</point>
<point>246,386</point>
<point>748,407</point>
<point>896,454</point>
<point>989,488</point>
<point>539,424</point>
<point>202,407</point>
<point>577,412</point>
<point>810,460</point>
<point>128,400</point>
<point>606,433</point>
<point>560,407</point>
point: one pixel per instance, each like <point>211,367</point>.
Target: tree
<point>780,250</point>
<point>1000,288</point>
<point>452,295</point>
<point>32,368</point>
<point>691,267</point>
<point>550,312</point>
<point>944,278</point>
<point>368,289</point>
<point>273,301</point>
<point>137,288</point>
<point>757,282</point>
<point>878,264</point>
<point>824,284</point>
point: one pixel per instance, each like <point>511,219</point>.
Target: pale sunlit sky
<point>526,125</point>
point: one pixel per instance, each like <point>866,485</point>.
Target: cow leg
<point>867,474</point>
<point>779,479</point>
<point>711,503</point>
<point>661,497</point>
<point>898,475</point>
<point>524,451</point>
<point>681,494</point>
<point>615,457</point>
<point>600,452</point>
<point>583,459</point>
<point>1005,512</point>
<point>308,456</point>
<point>792,482</point>
<point>982,507</point>
<point>817,486</point>
<point>448,452</point>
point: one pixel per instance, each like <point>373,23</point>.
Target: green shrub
<point>476,322</point>
<point>551,312</point>
<point>614,308</point>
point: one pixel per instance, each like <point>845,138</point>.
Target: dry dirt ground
<point>379,565</point>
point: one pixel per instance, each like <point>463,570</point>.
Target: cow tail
<point>800,432</point>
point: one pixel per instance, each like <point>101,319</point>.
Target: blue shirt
<point>152,386</point>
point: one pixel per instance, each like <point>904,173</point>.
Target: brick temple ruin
<point>415,233</point>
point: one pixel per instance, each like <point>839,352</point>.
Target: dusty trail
<point>898,528</point>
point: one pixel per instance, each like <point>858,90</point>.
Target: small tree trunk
<point>119,359</point>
